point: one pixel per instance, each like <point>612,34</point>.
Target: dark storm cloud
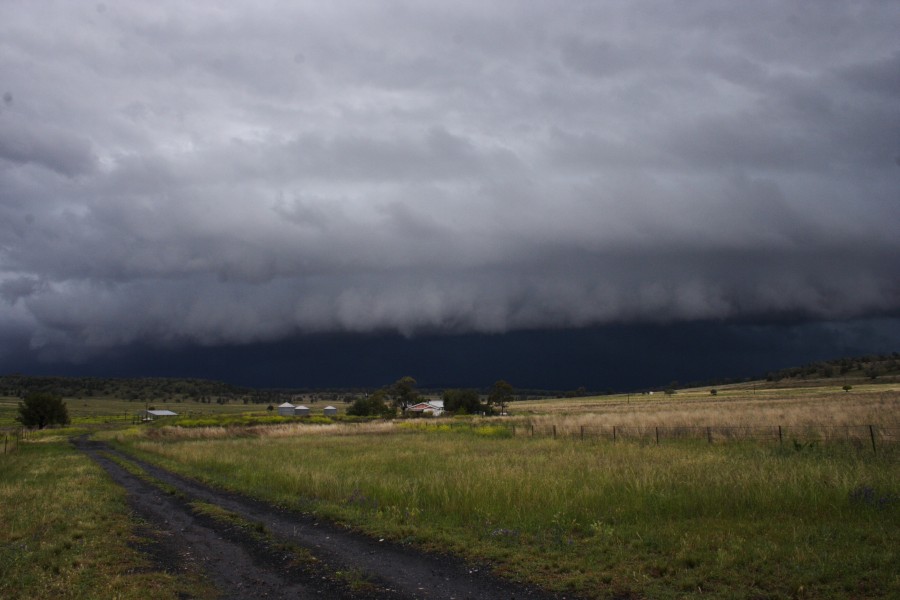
<point>193,174</point>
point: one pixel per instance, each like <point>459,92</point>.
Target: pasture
<point>66,531</point>
<point>686,518</point>
<point>111,411</point>
<point>813,515</point>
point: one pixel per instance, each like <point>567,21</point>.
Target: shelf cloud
<point>204,174</point>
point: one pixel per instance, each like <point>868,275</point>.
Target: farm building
<point>286,410</point>
<point>301,411</point>
<point>330,411</point>
<point>152,415</point>
<point>429,407</point>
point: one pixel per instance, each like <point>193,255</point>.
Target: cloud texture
<point>205,173</point>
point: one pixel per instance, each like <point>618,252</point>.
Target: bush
<point>41,409</point>
<point>373,405</point>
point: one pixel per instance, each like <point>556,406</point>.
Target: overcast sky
<point>202,174</point>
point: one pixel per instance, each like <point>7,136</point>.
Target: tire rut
<point>237,566</point>
<point>385,569</point>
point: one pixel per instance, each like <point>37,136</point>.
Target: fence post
<point>5,438</point>
<point>872,435</point>
<point>582,433</point>
<point>614,433</point>
<point>532,430</point>
<point>709,434</point>
<point>780,437</point>
<point>657,435</point>
<point>554,432</point>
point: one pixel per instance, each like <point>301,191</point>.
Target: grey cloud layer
<point>210,174</point>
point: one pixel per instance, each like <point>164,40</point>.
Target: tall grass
<point>740,520</point>
<point>767,407</point>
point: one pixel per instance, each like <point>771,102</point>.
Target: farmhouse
<point>429,407</point>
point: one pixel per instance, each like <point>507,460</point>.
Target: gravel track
<point>346,565</point>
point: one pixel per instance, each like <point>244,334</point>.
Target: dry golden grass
<point>273,431</point>
<point>769,407</point>
<point>824,412</point>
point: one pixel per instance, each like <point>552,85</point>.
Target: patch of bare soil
<point>332,562</point>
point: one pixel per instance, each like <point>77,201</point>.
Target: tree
<point>713,391</point>
<point>847,388</point>
<point>500,395</point>
<point>370,405</point>
<point>41,409</point>
<point>404,393</point>
<point>462,402</point>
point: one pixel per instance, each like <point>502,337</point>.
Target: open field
<point>65,531</point>
<point>116,411</point>
<point>810,413</point>
<point>602,519</point>
<point>683,519</point>
<point>732,404</point>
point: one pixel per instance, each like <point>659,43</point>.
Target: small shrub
<point>40,410</point>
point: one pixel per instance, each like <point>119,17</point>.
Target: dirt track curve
<point>243,565</point>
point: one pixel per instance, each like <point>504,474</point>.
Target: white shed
<point>286,409</point>
<point>150,415</point>
<point>301,411</point>
<point>330,411</point>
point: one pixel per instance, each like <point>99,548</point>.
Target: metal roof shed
<point>150,415</point>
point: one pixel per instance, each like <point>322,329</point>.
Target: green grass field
<point>65,531</point>
<point>116,411</point>
<point>687,518</point>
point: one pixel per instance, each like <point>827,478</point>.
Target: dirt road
<point>261,551</point>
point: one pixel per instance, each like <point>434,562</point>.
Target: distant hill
<point>884,368</point>
<point>880,367</point>
<point>872,368</point>
<point>138,389</point>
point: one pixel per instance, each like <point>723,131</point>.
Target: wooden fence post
<point>872,436</point>
<point>614,433</point>
<point>780,437</point>
<point>582,433</point>
<point>5,438</point>
<point>554,432</point>
<point>657,435</point>
<point>532,430</point>
<point>709,434</point>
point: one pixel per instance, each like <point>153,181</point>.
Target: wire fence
<point>12,440</point>
<point>861,436</point>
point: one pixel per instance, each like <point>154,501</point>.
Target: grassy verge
<point>680,520</point>
<point>65,532</point>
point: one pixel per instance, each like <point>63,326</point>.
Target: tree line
<point>403,394</point>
